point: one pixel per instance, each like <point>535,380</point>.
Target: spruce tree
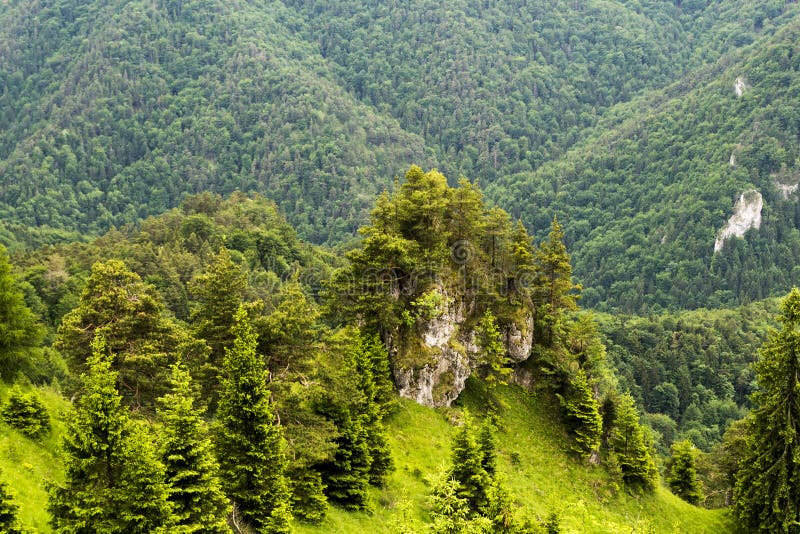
<point>629,443</point>
<point>582,415</point>
<point>767,491</point>
<point>128,313</point>
<point>20,334</point>
<point>467,467</point>
<point>554,290</point>
<point>346,475</point>
<point>218,293</point>
<point>8,510</point>
<point>113,480</point>
<point>199,505</point>
<point>250,445</point>
<point>370,411</point>
<point>682,469</point>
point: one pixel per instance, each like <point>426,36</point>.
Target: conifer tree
<point>113,480</point>
<point>218,293</point>
<point>493,358</point>
<point>630,445</point>
<point>8,510</point>
<point>199,505</point>
<point>767,490</point>
<point>682,469</point>
<point>370,411</point>
<point>250,445</point>
<point>346,476</point>
<point>554,291</point>
<point>467,467</point>
<point>20,334</point>
<point>582,415</point>
<point>129,315</point>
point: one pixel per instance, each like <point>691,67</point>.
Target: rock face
<point>450,355</point>
<point>746,215</point>
<point>740,86</point>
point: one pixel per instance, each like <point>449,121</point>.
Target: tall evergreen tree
<point>767,491</point>
<point>199,505</point>
<point>629,443</point>
<point>554,292</point>
<point>113,481</point>
<point>582,414</point>
<point>682,472</point>
<point>8,510</point>
<point>361,362</point>
<point>250,445</point>
<point>467,467</point>
<point>218,293</point>
<point>20,334</point>
<point>129,315</point>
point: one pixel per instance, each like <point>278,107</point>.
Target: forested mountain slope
<point>643,200</point>
<point>111,111</point>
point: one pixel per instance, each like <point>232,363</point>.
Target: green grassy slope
<point>539,471</point>
<point>533,457</point>
<point>27,465</point>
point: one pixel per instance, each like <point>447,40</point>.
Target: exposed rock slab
<point>746,215</point>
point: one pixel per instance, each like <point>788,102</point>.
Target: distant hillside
<point>644,198</point>
<point>112,111</point>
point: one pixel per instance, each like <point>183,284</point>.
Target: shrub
<point>26,413</point>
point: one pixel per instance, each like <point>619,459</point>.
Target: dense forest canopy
<point>114,111</point>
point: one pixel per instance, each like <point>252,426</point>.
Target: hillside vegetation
<point>114,111</point>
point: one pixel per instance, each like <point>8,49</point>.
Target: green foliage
<point>582,415</point>
<point>555,291</point>
<point>8,510</point>
<point>217,293</point>
<point>192,472</point>
<point>128,313</point>
<point>629,443</point>
<point>26,413</point>
<point>113,481</point>
<point>20,334</point>
<point>250,444</point>
<point>493,352</point>
<point>691,367</point>
<point>682,472</point>
<point>767,492</point>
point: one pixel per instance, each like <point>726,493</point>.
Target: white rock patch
<point>739,86</point>
<point>746,215</point>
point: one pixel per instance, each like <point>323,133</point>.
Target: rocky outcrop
<point>739,86</point>
<point>445,353</point>
<point>746,215</point>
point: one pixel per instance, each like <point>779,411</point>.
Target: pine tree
<point>218,293</point>
<point>113,481</point>
<point>493,353</point>
<point>467,468</point>
<point>250,445</point>
<point>682,469</point>
<point>346,475</point>
<point>554,292</point>
<point>129,315</point>
<point>582,415</point>
<point>370,411</point>
<point>199,505</point>
<point>8,510</point>
<point>767,491</point>
<point>631,446</point>
<point>20,334</point>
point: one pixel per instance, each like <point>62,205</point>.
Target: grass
<point>533,457</point>
<point>27,465</point>
<point>539,471</point>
